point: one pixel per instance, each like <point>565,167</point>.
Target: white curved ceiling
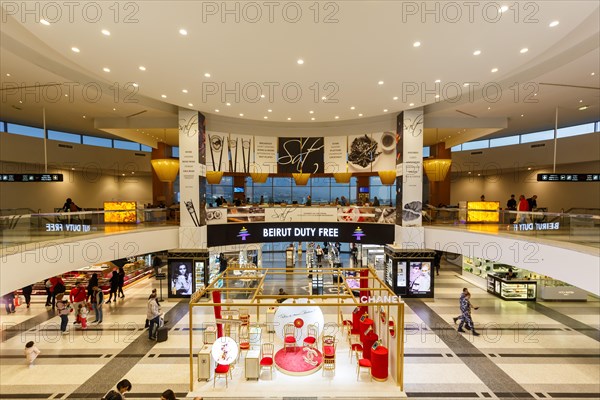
<point>363,43</point>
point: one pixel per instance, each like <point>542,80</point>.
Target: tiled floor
<point>525,351</point>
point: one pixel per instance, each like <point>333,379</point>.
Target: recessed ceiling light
<point>114,109</point>
<point>360,115</point>
<point>323,98</point>
<point>7,74</point>
<point>183,32</point>
<point>164,96</point>
<point>395,98</point>
<point>227,104</point>
<point>494,70</point>
<point>581,101</point>
<point>416,44</point>
<point>478,174</point>
<point>311,112</point>
<point>593,73</point>
<point>535,94</point>
<point>489,108</point>
<point>269,110</point>
<point>583,108</point>
<point>503,9</point>
<point>380,83</point>
<point>469,172</point>
<point>522,115</point>
<point>352,108</point>
<point>524,50</point>
<point>385,110</point>
<point>466,84</point>
<point>265,117</point>
<point>44,22</point>
<point>289,119</point>
<point>105,32</point>
<point>300,61</point>
<point>528,168</point>
<point>312,119</point>
<point>66,95</point>
<point>411,104</point>
<point>184,90</point>
<point>142,68</point>
<point>190,104</point>
<point>105,69</point>
<point>437,96</point>
<point>553,24</point>
<point>438,80</point>
<point>216,110</point>
<point>241,115</point>
<point>477,52</point>
<point>72,169</point>
<point>337,117</point>
<point>262,96</point>
<point>207,75</point>
<point>84,116</point>
<point>135,84</point>
<point>21,102</point>
<point>75,49</point>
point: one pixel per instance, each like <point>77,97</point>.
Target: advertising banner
<point>189,166</point>
<point>264,156</point>
<point>236,233</point>
<point>239,149</point>
<point>412,167</point>
<point>301,214</point>
<point>372,152</point>
<point>336,154</point>
<point>218,152</point>
<point>301,155</point>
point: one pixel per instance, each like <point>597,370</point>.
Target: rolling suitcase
<point>162,334</point>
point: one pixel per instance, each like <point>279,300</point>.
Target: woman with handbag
<point>63,309</point>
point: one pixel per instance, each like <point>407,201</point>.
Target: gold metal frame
<point>257,299</point>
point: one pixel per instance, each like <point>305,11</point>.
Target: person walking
<point>97,301</point>
<point>77,296</point>
<point>121,275</point>
<point>511,204</point>
<point>437,261</point>
<point>153,315</point>
<point>31,353</point>
<point>114,286</point>
<point>319,253</point>
<point>62,306</point>
<point>465,308</point>
<point>57,286</point>
<point>523,208</point>
<point>27,290</point>
<point>460,299</point>
<point>47,285</point>
<point>90,287</point>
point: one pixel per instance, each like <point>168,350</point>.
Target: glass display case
<point>513,289</point>
<point>477,269</point>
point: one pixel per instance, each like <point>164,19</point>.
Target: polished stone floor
<point>548,350</point>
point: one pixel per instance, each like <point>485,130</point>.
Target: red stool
<point>379,363</point>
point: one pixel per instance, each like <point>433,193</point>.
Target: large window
<point>576,130</point>
<point>537,136</point>
<point>384,193</point>
<point>504,141</point>
<point>26,130</point>
<point>478,144</point>
<point>126,145</point>
<point>225,189</point>
<point>96,141</point>
<point>64,137</point>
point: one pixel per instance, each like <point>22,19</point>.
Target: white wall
<point>553,195</point>
<point>87,188</point>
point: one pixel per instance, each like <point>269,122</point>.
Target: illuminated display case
<point>483,211</point>
<point>409,272</point>
<point>523,290</point>
<point>127,212</point>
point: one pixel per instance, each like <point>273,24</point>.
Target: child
<point>82,314</point>
<point>31,353</point>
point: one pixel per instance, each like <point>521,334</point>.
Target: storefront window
<point>225,189</point>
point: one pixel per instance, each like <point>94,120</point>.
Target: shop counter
<point>513,289</point>
<point>379,363</point>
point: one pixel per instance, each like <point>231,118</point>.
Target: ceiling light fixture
<point>190,104</point>
<point>522,115</point>
<point>524,50</point>
<point>300,61</point>
<point>269,110</point>
<point>164,96</point>
<point>593,73</point>
<point>380,83</point>
<point>438,80</point>
<point>337,117</point>
<point>84,116</point>
<point>503,9</point>
<point>411,104</point>
<point>466,84</point>
<point>323,98</point>
<point>135,84</point>
<point>553,24</point>
<point>75,49</point>
<point>494,70</point>
<point>477,52</point>
<point>7,74</point>
<point>583,108</point>
<point>241,115</point>
<point>207,75</point>
<point>360,115</point>
<point>437,96</point>
<point>216,110</point>
<point>44,22</point>
<point>262,96</point>
<point>227,104</point>
<point>265,117</point>
<point>289,119</point>
<point>114,109</point>
<point>352,108</point>
<point>385,110</point>
<point>395,98</point>
<point>184,90</point>
<point>417,44</point>
<point>312,119</point>
<point>183,32</point>
<point>105,32</point>
<point>311,112</point>
<point>489,108</point>
<point>142,68</point>
<point>105,69</point>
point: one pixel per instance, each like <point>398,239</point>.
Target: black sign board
<point>301,155</point>
<point>569,177</point>
<point>345,232</point>
<point>31,177</point>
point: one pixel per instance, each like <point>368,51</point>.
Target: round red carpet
<point>299,361</point>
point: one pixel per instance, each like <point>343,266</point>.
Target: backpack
<point>112,395</point>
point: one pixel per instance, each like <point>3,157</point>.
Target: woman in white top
<point>153,315</point>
